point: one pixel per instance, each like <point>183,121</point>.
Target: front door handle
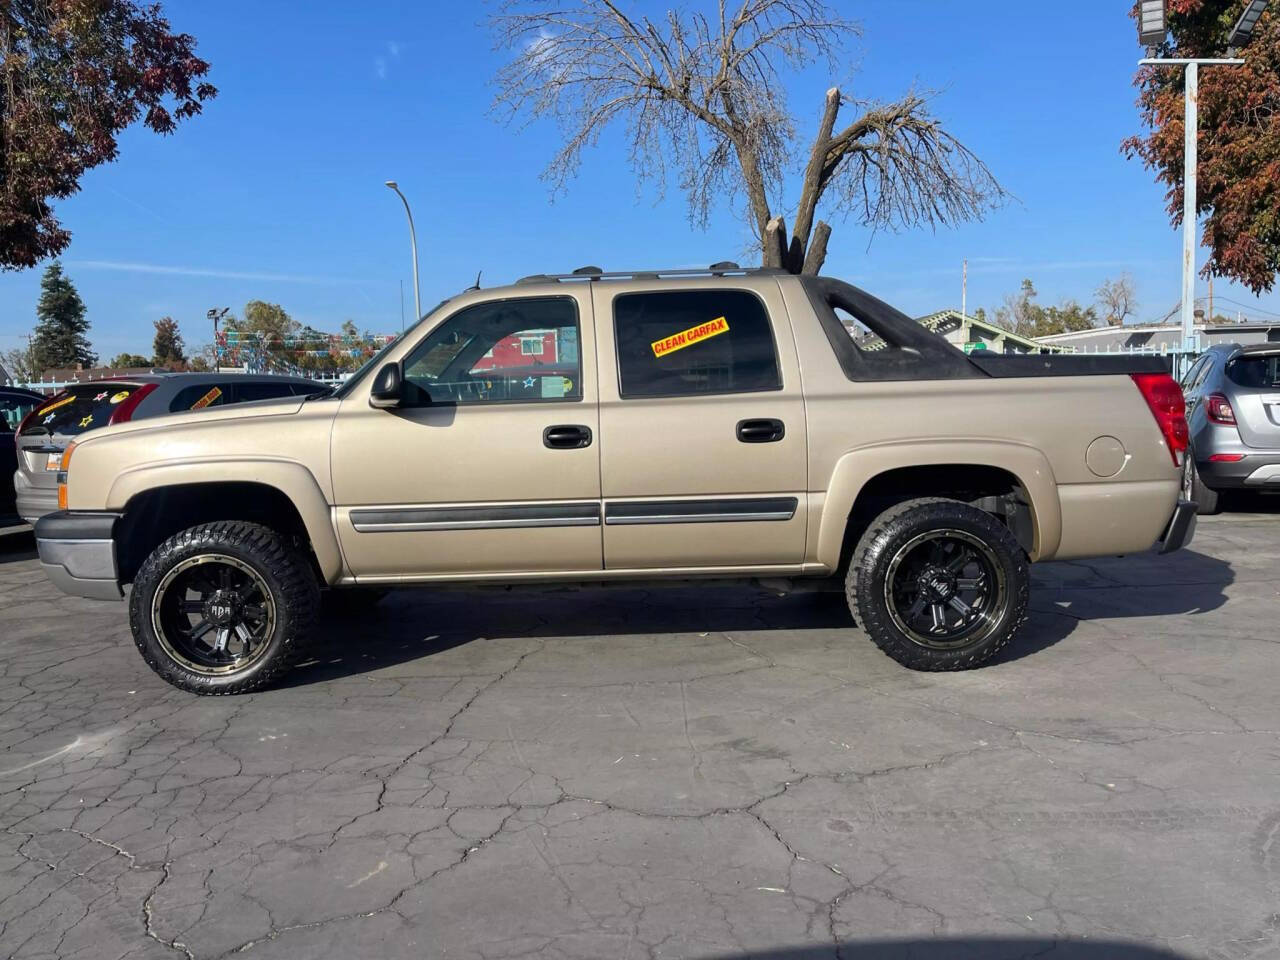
<point>761,431</point>
<point>566,436</point>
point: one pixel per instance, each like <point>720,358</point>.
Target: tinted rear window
<point>1261,371</point>
<point>248,392</point>
<point>81,408</point>
<point>13,407</point>
<point>699,341</point>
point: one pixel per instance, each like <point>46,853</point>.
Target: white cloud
<point>382,63</point>
<point>134,267</point>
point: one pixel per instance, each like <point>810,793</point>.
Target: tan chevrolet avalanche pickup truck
<point>596,427</point>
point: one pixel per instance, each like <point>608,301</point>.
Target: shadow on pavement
<point>17,542</point>
<point>1245,501</point>
<point>965,948</point>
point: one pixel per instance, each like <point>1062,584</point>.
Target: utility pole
<point>215,315</point>
<point>1209,316</point>
<point>964,290</point>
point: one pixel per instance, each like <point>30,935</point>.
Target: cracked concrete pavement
<point>708,771</point>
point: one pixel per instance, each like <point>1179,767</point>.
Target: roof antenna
<point>476,285</point>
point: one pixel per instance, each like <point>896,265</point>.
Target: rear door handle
<point>761,431</point>
<point>566,436</point>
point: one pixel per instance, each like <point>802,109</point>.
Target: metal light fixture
<point>1243,29</point>
<point>1151,24</point>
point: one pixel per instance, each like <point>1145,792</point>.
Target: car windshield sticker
<point>69,398</point>
<point>528,382</point>
<point>85,421</point>
<point>100,397</point>
<point>207,399</point>
<point>687,338</point>
<point>47,419</point>
<point>122,395</point>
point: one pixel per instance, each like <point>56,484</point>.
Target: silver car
<point>46,431</point>
<point>1233,413</point>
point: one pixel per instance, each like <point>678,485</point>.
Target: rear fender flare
<point>292,479</point>
<point>856,469</point>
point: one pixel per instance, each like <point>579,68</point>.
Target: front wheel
<point>938,584</point>
<point>221,607</point>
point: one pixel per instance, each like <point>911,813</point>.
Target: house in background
<point>967,333</point>
<point>1161,338</point>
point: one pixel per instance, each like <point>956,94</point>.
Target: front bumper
<point>78,552</point>
<point>1182,527</point>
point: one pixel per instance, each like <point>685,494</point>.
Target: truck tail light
<point>1219,409</point>
<point>124,412</point>
<point>1164,398</point>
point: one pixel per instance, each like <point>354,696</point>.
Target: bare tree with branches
<point>701,95</point>
<point>1117,299</point>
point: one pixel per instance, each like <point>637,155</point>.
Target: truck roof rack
<point>595,273</point>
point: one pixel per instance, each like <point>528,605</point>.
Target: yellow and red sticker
<point>207,399</point>
<point>687,338</point>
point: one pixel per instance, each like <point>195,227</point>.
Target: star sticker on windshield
<point>528,382</point>
<point>100,397</point>
<point>86,421</point>
<point>48,419</point>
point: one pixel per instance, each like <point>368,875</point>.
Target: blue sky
<point>276,191</point>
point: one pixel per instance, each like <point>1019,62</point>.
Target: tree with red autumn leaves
<point>73,75</point>
<point>1239,142</point>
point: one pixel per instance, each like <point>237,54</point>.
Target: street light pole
<point>413,243</point>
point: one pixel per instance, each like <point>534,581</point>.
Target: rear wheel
<point>1193,488</point>
<point>221,607</point>
<point>938,584</point>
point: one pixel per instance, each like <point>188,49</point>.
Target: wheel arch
<point>867,480</point>
<point>159,501</point>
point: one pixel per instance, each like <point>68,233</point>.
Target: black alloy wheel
<point>944,589</point>
<point>938,584</point>
<point>222,607</point>
<point>213,614</point>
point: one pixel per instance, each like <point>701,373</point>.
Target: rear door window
<point>198,396</point>
<point>683,343</point>
<point>80,408</point>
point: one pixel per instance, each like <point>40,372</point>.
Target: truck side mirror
<point>386,391</point>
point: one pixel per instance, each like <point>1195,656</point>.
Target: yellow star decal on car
<point>86,421</point>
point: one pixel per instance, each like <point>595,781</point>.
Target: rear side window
<point>81,408</point>
<point>257,390</point>
<point>693,342</point>
<point>1260,371</point>
<point>198,396</point>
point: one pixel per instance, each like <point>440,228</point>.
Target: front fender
<point>289,477</point>
<point>856,469</point>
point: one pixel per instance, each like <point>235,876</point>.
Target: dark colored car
<point>46,430</point>
<point>1233,413</point>
<point>15,404</point>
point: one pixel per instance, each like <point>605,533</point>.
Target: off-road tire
<point>898,526</point>
<point>286,572</point>
<point>1208,501</point>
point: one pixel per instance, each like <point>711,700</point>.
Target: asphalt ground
<point>705,771</point>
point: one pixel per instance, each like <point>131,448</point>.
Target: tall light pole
<point>215,315</point>
<point>413,243</point>
<point>1151,32</point>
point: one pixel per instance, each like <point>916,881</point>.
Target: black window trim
<point>773,338</point>
<point>577,319</point>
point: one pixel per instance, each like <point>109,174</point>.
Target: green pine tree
<point>59,339</point>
